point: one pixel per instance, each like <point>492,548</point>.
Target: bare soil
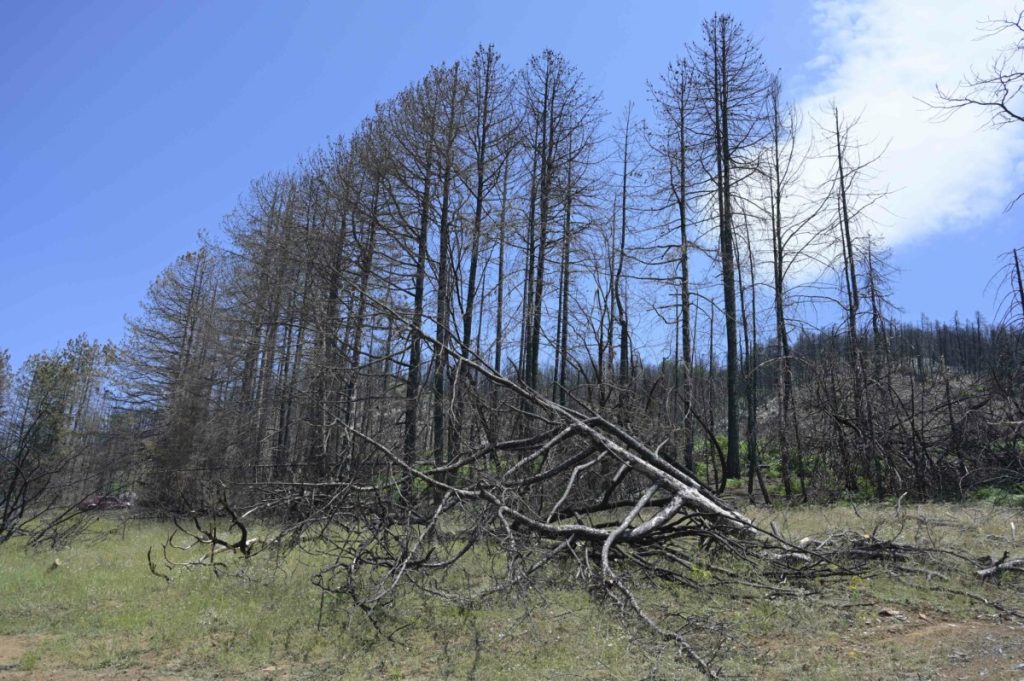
<point>13,650</point>
<point>902,645</point>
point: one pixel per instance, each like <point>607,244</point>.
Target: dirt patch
<point>972,649</point>
<point>70,675</point>
<point>907,646</point>
<point>13,647</point>
<point>15,651</point>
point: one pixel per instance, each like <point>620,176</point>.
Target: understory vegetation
<point>100,608</point>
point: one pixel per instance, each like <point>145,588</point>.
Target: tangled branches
<point>571,493</point>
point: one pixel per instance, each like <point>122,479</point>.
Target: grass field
<point>94,611</point>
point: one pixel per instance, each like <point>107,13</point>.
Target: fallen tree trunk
<point>572,488</point>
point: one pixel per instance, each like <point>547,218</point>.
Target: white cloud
<point>878,58</point>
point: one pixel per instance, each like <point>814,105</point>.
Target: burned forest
<point>498,325</point>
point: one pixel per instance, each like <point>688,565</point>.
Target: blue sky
<point>127,127</point>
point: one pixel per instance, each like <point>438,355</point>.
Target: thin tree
<point>732,84</point>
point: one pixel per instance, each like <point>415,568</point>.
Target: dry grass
<point>101,614</point>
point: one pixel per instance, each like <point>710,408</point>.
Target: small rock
<point>892,613</point>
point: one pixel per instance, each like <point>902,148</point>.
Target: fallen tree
<point>571,489</point>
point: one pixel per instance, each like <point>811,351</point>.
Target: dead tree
<point>732,83</point>
<point>675,108</point>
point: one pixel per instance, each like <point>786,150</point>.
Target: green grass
<point>1000,496</point>
<point>102,609</point>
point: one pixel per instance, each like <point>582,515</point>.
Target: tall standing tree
<point>628,158</point>
<point>732,83</point>
<point>558,108</point>
<point>449,97</point>
<point>795,242</point>
<point>675,108</point>
<point>490,141</point>
<point>851,197</point>
<point>410,144</point>
<point>170,360</point>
